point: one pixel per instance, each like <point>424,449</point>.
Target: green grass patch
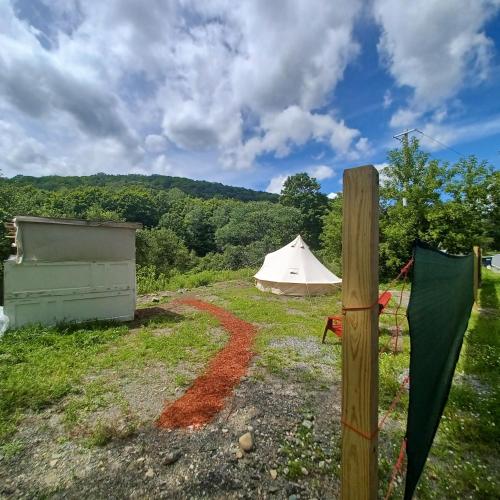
<point>40,366</point>
<point>148,281</point>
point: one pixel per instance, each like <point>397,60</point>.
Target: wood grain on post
<point>477,270</point>
<point>360,335</point>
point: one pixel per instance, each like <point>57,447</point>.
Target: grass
<point>85,365</point>
<point>41,366</point>
<point>149,282</point>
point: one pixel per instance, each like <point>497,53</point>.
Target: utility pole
<point>403,137</point>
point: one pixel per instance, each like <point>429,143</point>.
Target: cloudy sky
<point>243,92</point>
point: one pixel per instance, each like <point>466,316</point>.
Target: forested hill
<point>198,189</point>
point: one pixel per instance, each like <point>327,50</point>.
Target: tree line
<point>452,207</point>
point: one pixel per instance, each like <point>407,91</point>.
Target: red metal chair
<point>334,323</point>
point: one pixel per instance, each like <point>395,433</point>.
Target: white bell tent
<point>294,270</point>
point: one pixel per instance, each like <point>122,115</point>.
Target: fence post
<point>360,335</point>
<point>477,270</point>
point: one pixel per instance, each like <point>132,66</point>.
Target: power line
<point>442,144</point>
<point>439,142</point>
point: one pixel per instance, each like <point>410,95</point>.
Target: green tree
<point>250,222</point>
<point>199,229</point>
<point>411,187</point>
<point>162,249</point>
<point>331,235</point>
<point>464,218</point>
<point>303,192</point>
<point>96,212</point>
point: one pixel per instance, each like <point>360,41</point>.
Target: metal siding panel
<point>49,293</point>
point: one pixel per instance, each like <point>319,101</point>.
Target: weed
<point>11,448</point>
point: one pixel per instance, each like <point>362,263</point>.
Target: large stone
<point>171,457</point>
<point>307,424</point>
<point>246,441</point>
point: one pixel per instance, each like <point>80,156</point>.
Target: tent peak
<point>298,242</point>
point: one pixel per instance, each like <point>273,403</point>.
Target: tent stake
<point>360,335</point>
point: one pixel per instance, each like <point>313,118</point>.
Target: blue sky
<point>243,93</point>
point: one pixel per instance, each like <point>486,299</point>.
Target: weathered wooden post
<point>477,270</point>
<point>360,334</point>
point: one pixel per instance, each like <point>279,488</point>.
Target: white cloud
<point>292,127</point>
<point>387,99</point>
<point>382,175</point>
<point>451,134</point>
<point>434,48</point>
<point>155,143</point>
<point>276,184</point>
<point>218,77</point>
<point>321,172</point>
<point>332,196</point>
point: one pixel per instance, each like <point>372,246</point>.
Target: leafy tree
<point>198,228</point>
<point>163,249</point>
<point>331,236</point>
<point>134,204</point>
<point>462,221</point>
<point>302,192</point>
<point>410,191</point>
<point>96,212</point>
<point>250,222</point>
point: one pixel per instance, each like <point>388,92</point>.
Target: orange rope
<point>360,308</point>
<point>397,468</point>
<point>394,401</point>
<point>384,418</point>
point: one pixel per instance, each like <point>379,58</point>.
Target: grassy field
<point>83,371</point>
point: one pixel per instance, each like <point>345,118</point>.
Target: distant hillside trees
<point>197,189</point>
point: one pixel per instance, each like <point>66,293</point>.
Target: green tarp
<point>439,309</point>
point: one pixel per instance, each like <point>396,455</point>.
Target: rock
<point>155,299</point>
<point>238,454</point>
<point>150,473</point>
<point>246,441</point>
<point>53,463</point>
<point>274,474</point>
<point>274,488</point>
<point>224,431</point>
<point>141,459</point>
<point>321,464</point>
<point>307,424</point>
<point>171,457</point>
<point>304,471</point>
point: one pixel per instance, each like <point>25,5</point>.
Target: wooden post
<point>477,270</point>
<point>360,335</point>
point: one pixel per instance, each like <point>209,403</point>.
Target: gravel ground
<point>155,463</point>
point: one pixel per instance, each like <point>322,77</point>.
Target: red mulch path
<point>206,397</point>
